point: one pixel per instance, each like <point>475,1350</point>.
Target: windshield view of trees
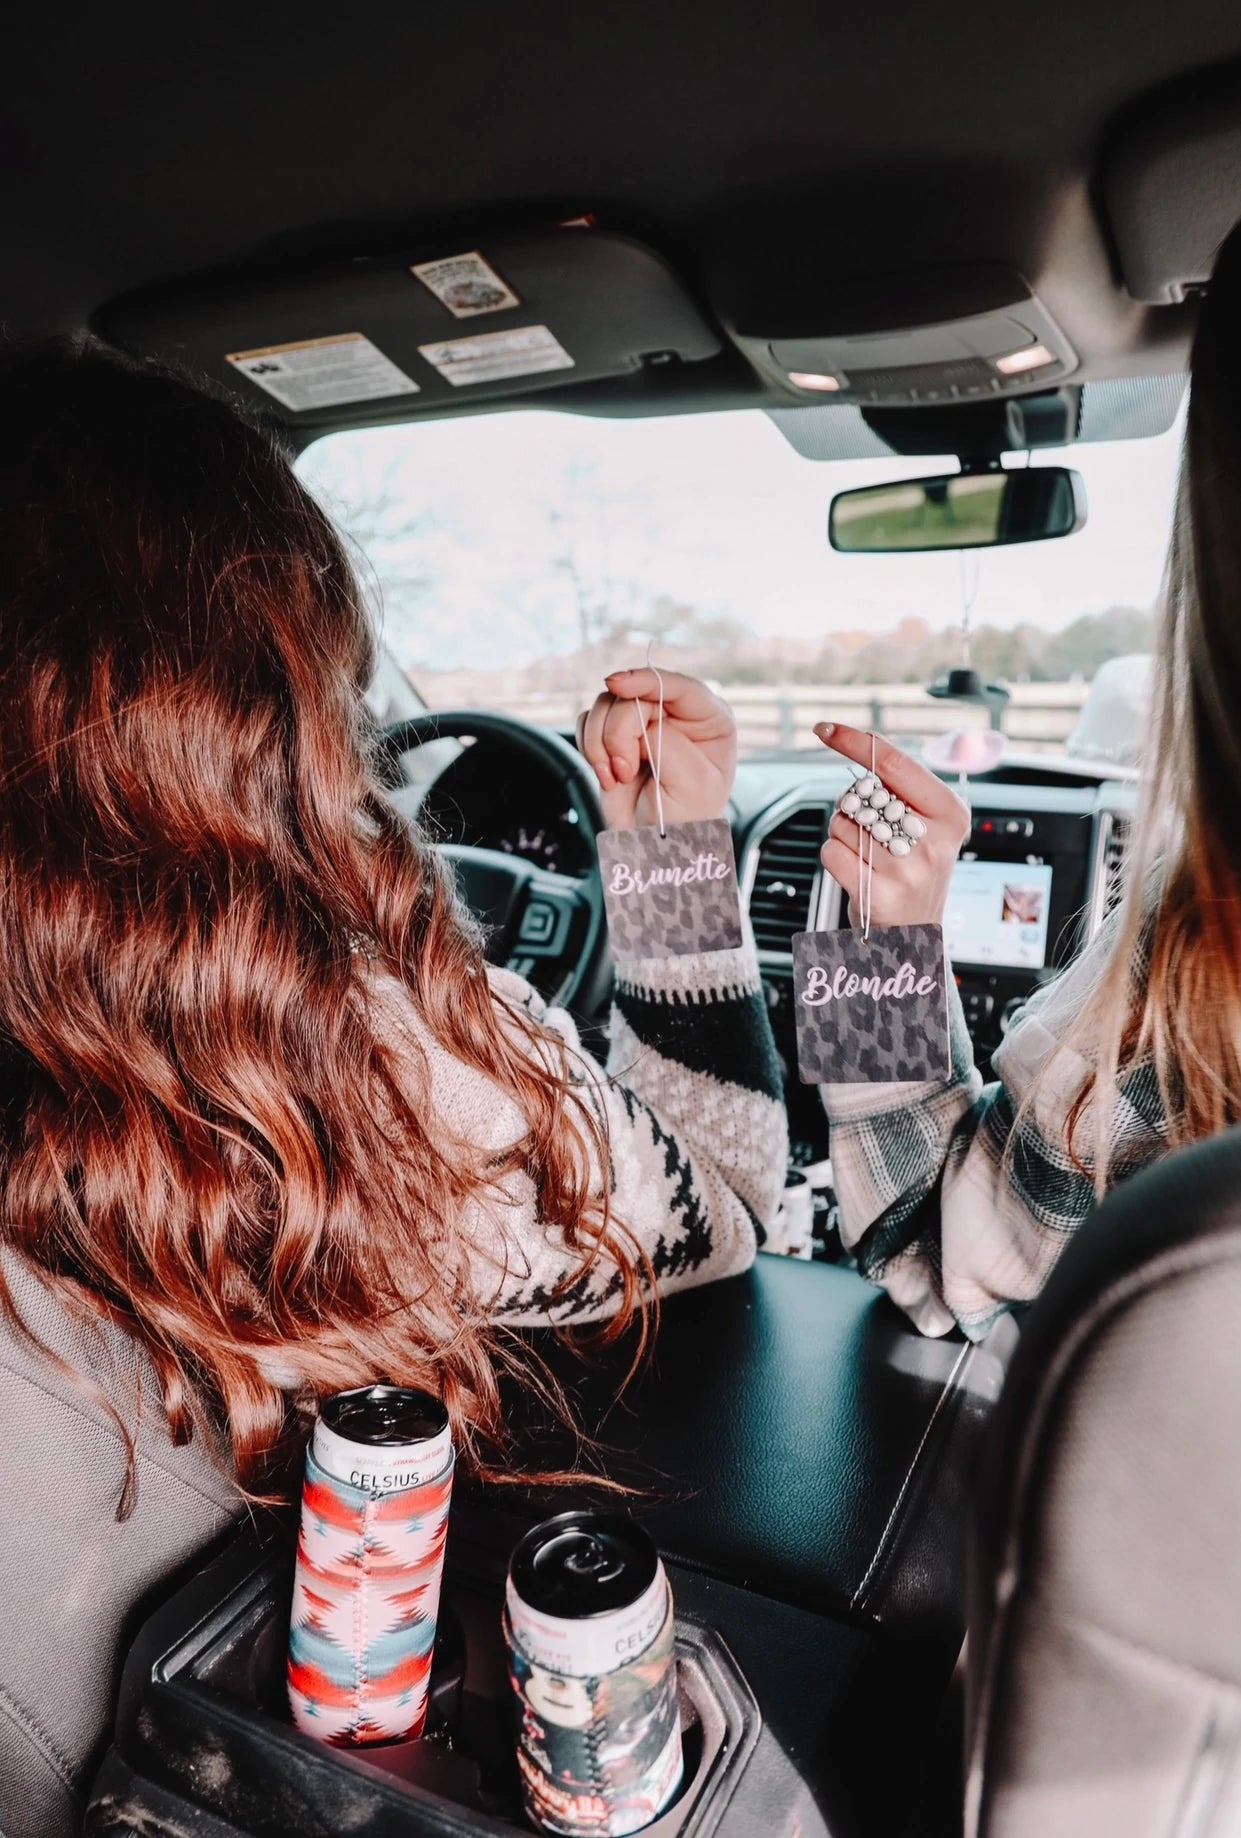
<point>520,586</point>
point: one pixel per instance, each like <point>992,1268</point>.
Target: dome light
<point>813,379</point>
<point>1033,357</point>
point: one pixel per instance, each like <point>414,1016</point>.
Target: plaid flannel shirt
<point>930,1205</point>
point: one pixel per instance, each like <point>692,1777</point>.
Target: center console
<point>802,1458</point>
<point>1017,910</point>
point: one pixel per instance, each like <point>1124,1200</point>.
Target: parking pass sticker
<point>324,372</point>
<point>492,356</point>
<point>466,285</point>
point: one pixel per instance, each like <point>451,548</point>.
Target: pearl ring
<point>873,807</point>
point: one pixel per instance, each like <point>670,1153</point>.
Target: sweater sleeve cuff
<point>704,976</point>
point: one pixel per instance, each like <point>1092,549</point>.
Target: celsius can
<point>591,1651</point>
<point>370,1557</point>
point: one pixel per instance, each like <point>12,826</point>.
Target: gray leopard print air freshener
<point>872,1010</point>
<point>672,894</point>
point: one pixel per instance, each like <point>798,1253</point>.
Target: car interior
<point>942,271</point>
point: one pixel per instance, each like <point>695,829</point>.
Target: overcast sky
<point>715,510</point>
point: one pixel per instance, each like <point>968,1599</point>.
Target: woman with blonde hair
<point>958,1197</point>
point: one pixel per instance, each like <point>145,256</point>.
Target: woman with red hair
<point>269,1126</point>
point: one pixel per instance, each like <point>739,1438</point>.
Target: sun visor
<point>1172,187</point>
<point>428,330</point>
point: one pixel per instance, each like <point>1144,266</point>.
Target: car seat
<point>75,1581</point>
<point>1104,1650</point>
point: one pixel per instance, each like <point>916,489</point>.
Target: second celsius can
<point>591,1649</point>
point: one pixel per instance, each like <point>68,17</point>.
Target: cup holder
<point>209,1722</point>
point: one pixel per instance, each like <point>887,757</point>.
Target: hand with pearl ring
<point>873,807</point>
<point>916,819</point>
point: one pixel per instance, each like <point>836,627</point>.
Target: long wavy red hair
<point>205,1133</point>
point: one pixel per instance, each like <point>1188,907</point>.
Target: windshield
<point>516,557</point>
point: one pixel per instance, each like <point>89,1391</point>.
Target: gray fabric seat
<point>73,1580</point>
<point>1104,1658</point>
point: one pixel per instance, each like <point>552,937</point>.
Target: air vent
<point>1114,862</point>
<point>786,878</point>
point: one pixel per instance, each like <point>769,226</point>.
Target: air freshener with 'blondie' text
<point>871,1005</point>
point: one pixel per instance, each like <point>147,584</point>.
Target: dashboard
<point>1037,875</point>
<point>489,798</point>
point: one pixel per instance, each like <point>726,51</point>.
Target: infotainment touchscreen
<point>997,914</point>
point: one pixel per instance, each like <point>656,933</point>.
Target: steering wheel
<point>548,927</point>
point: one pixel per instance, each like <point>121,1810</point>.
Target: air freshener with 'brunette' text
<point>872,1009</point>
<point>671,892</point>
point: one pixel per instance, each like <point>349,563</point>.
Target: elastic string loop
<point>866,873</point>
<point>656,759</point>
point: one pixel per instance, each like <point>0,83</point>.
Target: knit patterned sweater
<point>692,1107</point>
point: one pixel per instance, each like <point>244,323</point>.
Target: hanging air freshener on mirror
<point>670,888</point>
<point>871,1004</point>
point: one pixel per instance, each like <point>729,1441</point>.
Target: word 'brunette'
<point>672,892</point>
<point>627,880</point>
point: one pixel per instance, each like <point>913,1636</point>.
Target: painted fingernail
<point>825,729</point>
<point>620,768</point>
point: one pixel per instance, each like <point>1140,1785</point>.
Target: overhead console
<point>427,328</point>
<point>964,335</point>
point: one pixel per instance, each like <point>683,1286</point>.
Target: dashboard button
<point>978,1005</point>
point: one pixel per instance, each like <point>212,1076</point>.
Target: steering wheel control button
<point>538,923</point>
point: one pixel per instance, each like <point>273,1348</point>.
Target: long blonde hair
<point>1169,994</point>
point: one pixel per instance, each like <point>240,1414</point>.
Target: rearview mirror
<point>960,510</point>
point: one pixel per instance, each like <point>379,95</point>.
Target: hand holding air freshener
<point>871,1001</point>
<point>665,750</point>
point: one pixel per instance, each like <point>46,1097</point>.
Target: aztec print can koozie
<point>365,1601</point>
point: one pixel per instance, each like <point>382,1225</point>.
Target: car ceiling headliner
<point>162,143</point>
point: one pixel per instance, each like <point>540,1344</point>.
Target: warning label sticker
<point>492,356</point>
<point>324,372</point>
<point>466,285</point>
